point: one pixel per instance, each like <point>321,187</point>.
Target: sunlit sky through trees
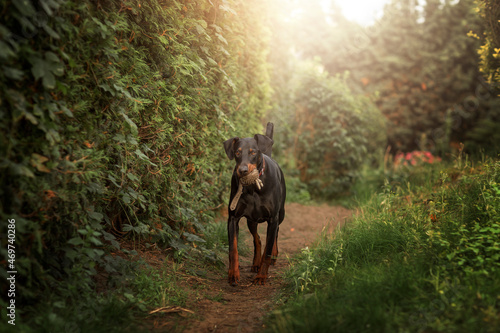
<point>364,12</point>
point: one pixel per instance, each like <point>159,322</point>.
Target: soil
<point>225,308</point>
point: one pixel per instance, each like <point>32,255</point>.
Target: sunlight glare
<point>364,12</point>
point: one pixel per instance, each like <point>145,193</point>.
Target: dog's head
<point>247,152</point>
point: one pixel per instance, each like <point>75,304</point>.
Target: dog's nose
<point>243,170</point>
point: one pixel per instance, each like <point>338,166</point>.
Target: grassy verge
<point>420,256</point>
<point>137,289</point>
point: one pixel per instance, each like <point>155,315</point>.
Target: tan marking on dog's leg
<point>257,255</point>
<point>274,253</point>
<point>234,269</point>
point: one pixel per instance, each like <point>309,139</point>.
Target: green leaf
<point>12,73</point>
<point>59,304</point>
<point>200,29</point>
<point>126,198</point>
<point>227,9</point>
<point>132,177</point>
<point>131,139</point>
<point>67,111</point>
<point>96,216</point>
<point>113,180</point>
<point>51,56</point>
<point>131,124</point>
<point>31,118</point>
<point>46,69</point>
<point>141,155</point>
<point>127,227</point>
<point>39,67</point>
<point>95,241</point>
<point>130,297</point>
<point>76,241</point>
<point>5,50</point>
<point>49,80</point>
<point>24,7</point>
<point>83,231</point>
<point>52,136</point>
<point>221,38</point>
<point>46,7</point>
<point>193,238</point>
<point>52,33</point>
<point>120,138</point>
<point>22,170</point>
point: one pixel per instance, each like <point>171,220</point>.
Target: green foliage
<point>426,76</point>
<point>332,132</point>
<point>153,288</point>
<point>296,190</point>
<point>421,256</point>
<point>416,61</point>
<point>485,134</point>
<point>469,244</point>
<point>113,115</point>
<point>489,51</point>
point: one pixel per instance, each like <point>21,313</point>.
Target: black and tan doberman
<point>258,193</point>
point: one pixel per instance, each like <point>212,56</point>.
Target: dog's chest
<point>253,206</point>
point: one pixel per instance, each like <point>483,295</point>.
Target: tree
<point>486,133</point>
<point>417,61</point>
<point>489,11</point>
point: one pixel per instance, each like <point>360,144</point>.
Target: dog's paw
<point>233,282</point>
<point>233,277</point>
<point>260,280</point>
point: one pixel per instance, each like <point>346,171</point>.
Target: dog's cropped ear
<point>229,147</point>
<point>264,143</point>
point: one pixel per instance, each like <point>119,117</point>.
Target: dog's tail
<point>269,133</point>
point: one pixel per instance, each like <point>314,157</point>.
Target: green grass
<point>132,289</point>
<point>217,240</point>
<point>82,313</point>
<point>154,288</point>
<point>420,256</point>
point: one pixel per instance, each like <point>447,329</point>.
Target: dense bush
<point>112,117</point>
<point>332,132</point>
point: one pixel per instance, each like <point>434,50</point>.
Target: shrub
<point>113,115</point>
<point>333,132</point>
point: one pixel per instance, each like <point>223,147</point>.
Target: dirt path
<point>242,308</point>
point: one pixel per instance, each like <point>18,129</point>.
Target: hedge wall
<point>112,118</point>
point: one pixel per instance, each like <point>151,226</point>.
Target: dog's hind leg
<point>234,268</point>
<point>272,233</point>
<point>274,253</point>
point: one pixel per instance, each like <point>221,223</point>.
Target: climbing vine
<point>113,113</point>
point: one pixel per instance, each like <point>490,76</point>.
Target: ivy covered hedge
<point>112,117</point>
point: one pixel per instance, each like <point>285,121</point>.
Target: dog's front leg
<point>257,251</point>
<point>232,232</point>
